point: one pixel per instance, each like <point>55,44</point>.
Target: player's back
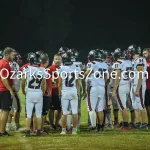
<point>77,64</point>
<point>69,75</point>
<point>126,69</point>
<point>99,70</point>
<point>34,77</point>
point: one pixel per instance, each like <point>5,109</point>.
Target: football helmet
<point>95,55</point>
<point>18,58</point>
<point>133,49</point>
<point>34,58</point>
<point>62,50</point>
<point>66,58</point>
<point>119,54</point>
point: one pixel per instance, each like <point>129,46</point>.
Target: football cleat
<point>125,128</point>
<point>63,133</point>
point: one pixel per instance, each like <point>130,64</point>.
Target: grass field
<point>109,139</point>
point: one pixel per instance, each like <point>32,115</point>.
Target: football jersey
<point>34,77</point>
<point>125,66</point>
<point>69,77</point>
<point>77,65</point>
<point>15,67</point>
<point>97,74</point>
<point>139,61</point>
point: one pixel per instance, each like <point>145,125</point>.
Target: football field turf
<point>109,139</point>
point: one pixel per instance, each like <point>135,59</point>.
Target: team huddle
<point>116,80</point>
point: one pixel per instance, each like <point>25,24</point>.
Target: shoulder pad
<point>119,62</point>
<point>93,62</point>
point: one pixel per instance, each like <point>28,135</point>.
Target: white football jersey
<point>125,66</point>
<point>97,75</point>
<point>139,61</point>
<point>77,65</point>
<point>16,78</point>
<point>69,75</point>
<point>34,77</point>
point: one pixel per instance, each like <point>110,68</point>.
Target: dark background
<point>31,25</point>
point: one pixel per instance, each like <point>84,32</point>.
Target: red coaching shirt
<point>148,80</point>
<point>4,64</point>
<point>54,81</point>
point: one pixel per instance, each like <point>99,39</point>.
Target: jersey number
<point>36,80</point>
<point>101,73</point>
<point>68,82</point>
<point>116,65</point>
<point>127,73</point>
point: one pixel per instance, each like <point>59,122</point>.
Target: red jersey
<point>54,81</point>
<point>4,64</point>
<point>48,85</point>
<point>148,79</point>
<point>24,66</point>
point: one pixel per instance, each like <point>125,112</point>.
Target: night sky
<point>31,25</point>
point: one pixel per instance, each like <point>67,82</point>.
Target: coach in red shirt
<point>146,54</point>
<point>55,105</point>
<point>6,88</point>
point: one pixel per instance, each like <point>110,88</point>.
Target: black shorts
<point>5,100</point>
<point>55,103</point>
<point>147,98</point>
<point>46,104</point>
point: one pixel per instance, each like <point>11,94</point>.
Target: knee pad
<point>69,113</point>
<point>38,114</point>
<point>29,115</point>
<point>74,111</point>
<point>65,112</point>
<point>134,105</point>
<point>140,107</point>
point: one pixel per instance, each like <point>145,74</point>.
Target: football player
<point>121,86</point>
<point>78,66</point>
<point>108,117</point>
<point>68,81</point>
<point>16,105</point>
<point>138,86</point>
<point>98,78</point>
<point>34,87</point>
